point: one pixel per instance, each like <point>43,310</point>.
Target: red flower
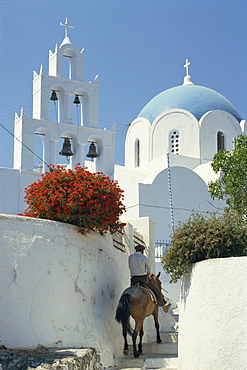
<point>90,200</point>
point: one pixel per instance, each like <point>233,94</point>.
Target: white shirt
<point>139,264</point>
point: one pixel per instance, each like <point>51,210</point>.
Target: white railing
<point>161,247</point>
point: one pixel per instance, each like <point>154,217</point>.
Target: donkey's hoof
<point>136,354</point>
<point>140,352</point>
<point>159,340</point>
<point>125,352</point>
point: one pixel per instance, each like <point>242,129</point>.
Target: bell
<point>66,149</point>
<point>92,151</point>
<point>76,100</point>
<point>53,96</point>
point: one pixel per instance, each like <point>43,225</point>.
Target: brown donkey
<point>138,302</point>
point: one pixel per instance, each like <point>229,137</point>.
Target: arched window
<point>220,141</point>
<point>174,142</point>
<point>137,153</point>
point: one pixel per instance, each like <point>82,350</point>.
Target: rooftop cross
<point>186,66</point>
<point>67,26</point>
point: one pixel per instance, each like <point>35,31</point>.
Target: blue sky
<point>137,47</point>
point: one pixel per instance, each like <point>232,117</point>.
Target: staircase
<point>155,356</point>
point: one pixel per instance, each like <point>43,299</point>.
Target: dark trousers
<point>145,280</point>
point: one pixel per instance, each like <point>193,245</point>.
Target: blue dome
<point>197,100</point>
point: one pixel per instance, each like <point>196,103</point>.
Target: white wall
<point>211,123</point>
<point>212,316</point>
<point>182,121</point>
<point>12,184</point>
<point>59,288</point>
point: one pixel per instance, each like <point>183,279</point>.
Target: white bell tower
<point>65,86</point>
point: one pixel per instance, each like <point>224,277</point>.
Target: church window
<point>137,153</point>
<point>220,141</point>
<point>174,142</point>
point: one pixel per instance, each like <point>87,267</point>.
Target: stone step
<point>140,368</point>
<point>42,358</point>
<point>162,348</point>
<point>166,336</point>
<point>148,361</point>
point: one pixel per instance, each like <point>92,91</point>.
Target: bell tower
<point>64,89</point>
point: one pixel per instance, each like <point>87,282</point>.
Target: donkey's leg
<point>134,335</point>
<point>156,321</point>
<point>140,343</point>
<point>138,327</point>
<point>126,347</point>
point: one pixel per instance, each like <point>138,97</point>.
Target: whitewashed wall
<point>12,184</point>
<point>59,288</point>
<point>213,320</point>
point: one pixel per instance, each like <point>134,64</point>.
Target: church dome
<point>196,99</point>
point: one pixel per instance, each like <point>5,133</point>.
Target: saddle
<point>148,290</point>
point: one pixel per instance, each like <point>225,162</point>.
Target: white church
<point>168,147</point>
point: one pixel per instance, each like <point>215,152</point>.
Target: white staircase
<point>163,356</point>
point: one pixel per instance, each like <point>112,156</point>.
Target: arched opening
<point>137,153</point>
<point>53,111</point>
<point>220,141</point>
<point>38,149</point>
<point>80,109</point>
<point>57,104</point>
<point>66,72</point>
<point>77,110</point>
<point>174,142</point>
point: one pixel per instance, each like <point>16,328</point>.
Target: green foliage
<point>231,186</point>
<point>201,238</point>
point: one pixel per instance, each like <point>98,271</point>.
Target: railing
<point>161,248</point>
<point>118,241</point>
<point>122,242</point>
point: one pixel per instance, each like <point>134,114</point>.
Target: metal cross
<point>186,66</point>
<point>67,26</point>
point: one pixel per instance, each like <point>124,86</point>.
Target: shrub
<point>201,238</point>
<point>90,200</point>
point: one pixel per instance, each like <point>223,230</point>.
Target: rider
<point>140,273</point>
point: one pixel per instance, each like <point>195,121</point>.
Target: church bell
<point>66,149</point>
<point>92,151</point>
<point>76,100</point>
<point>53,96</point>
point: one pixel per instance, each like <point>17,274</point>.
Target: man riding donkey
<point>140,272</point>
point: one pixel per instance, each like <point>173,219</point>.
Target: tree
<point>231,186</point>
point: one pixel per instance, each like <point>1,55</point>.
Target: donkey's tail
<point>123,312</point>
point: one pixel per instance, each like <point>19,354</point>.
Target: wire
<point>23,144</point>
<point>163,207</point>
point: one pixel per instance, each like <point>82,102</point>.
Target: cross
<point>186,66</point>
<point>67,26</point>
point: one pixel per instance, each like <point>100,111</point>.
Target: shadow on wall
<point>59,286</point>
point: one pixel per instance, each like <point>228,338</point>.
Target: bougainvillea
<point>91,201</point>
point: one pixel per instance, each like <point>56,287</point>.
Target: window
<point>174,142</point>
<point>220,141</point>
<point>137,153</point>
